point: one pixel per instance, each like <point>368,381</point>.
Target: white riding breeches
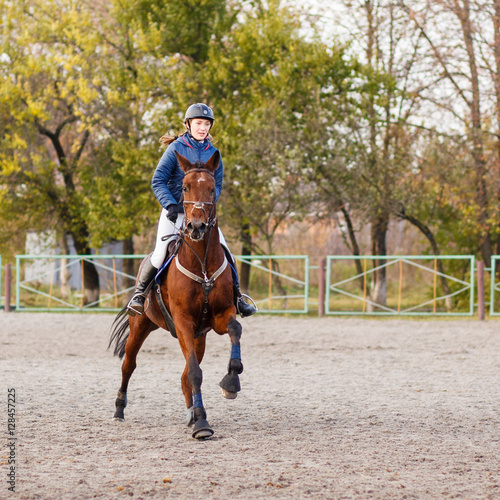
<point>166,228</point>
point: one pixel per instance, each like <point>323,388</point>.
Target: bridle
<point>200,205</point>
<point>211,221</point>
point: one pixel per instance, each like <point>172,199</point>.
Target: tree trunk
<point>277,282</point>
<point>90,275</point>
<point>435,249</point>
<point>354,244</point>
<point>379,228</point>
<point>65,288</point>
<point>463,14</point>
<point>73,224</point>
<point>473,121</point>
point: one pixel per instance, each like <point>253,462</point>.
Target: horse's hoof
<point>118,419</point>
<point>228,395</point>
<point>202,430</point>
<point>119,415</point>
<point>230,382</point>
<point>203,434</point>
<point>190,417</point>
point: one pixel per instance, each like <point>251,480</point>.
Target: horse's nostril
<point>202,226</point>
<point>190,226</point>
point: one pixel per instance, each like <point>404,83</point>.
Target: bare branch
<point>437,54</point>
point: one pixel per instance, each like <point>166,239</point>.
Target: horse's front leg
<point>191,381</point>
<point>230,384</point>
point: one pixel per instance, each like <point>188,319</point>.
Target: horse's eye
<point>184,189</point>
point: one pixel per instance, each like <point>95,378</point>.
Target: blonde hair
<point>167,139</point>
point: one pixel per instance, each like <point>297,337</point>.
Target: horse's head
<point>198,190</point>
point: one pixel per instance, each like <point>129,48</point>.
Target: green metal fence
<point>278,283</point>
<point>40,286</point>
<point>415,285</point>
<point>494,287</point>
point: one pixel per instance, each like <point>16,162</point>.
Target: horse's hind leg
<point>140,328</point>
<point>230,384</point>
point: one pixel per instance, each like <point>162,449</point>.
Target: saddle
<point>173,247</point>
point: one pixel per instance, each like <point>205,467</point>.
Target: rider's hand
<point>172,213</point>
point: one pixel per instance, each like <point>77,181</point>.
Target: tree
<point>269,83</point>
<point>88,95</point>
<point>464,46</point>
<point>48,57</point>
<point>374,148</point>
<point>187,27</point>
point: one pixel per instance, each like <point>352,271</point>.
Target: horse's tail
<point>119,333</point>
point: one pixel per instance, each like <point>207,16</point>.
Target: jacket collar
<point>189,141</point>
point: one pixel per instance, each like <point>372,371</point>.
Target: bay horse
<point>197,292</point>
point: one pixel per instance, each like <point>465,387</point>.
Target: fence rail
<point>428,290</point>
<point>276,290</point>
<point>45,280</point>
<point>494,287</point>
<point>415,285</point>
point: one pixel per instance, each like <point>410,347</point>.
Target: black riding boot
<point>136,304</point>
<point>244,308</point>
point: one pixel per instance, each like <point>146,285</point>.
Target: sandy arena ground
<point>330,408</point>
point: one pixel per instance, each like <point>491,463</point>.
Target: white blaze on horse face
<point>201,180</point>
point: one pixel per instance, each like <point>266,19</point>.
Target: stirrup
<point>130,308</point>
<point>244,295</point>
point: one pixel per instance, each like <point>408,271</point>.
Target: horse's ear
<point>183,162</point>
<point>213,162</point>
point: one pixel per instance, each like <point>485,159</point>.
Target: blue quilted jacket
<point>168,176</point>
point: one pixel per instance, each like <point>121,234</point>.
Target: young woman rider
<point>194,145</point>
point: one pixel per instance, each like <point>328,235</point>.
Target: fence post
<point>8,282</point>
<point>480,290</point>
<point>321,287</point>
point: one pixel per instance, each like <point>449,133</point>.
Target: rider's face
<point>200,128</point>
